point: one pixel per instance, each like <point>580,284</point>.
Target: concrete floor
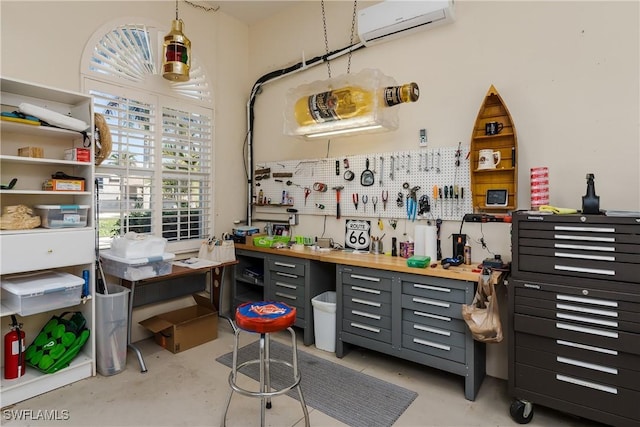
<point>190,389</point>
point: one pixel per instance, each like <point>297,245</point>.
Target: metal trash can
<point>112,316</point>
<point>324,320</point>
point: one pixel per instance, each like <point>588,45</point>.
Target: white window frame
<point>154,90</point>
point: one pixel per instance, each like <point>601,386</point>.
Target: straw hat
<point>102,139</point>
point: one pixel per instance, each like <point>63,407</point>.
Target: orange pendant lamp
<point>176,52</point>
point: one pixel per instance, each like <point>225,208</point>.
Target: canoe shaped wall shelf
<point>493,159</point>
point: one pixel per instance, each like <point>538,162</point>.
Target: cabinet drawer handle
<point>586,310</point>
<point>584,319</point>
<point>368,315</point>
<point>50,251</point>
<point>365,327</point>
<point>585,270</point>
<point>282,264</point>
<point>432,344</point>
<point>432,330</point>
<point>365,302</point>
<point>367,278</point>
<point>280,294</point>
<point>587,347</point>
<point>584,300</point>
<point>584,247</point>
<point>432,316</point>
<point>529,285</point>
<point>592,229</point>
<point>431,288</point>
<point>584,383</point>
<point>367,290</point>
<point>589,257</point>
<point>431,302</point>
<point>587,365</point>
<point>584,238</point>
<point>289,275</point>
<point>584,330</point>
<point>286,285</point>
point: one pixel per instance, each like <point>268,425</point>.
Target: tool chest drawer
<point>586,246</point>
<point>368,318</point>
<point>605,370</point>
<point>432,333</point>
<point>286,265</point>
<point>289,293</point>
<point>366,294</point>
<point>366,330</point>
<point>574,389</point>
<point>434,288</point>
<point>367,278</point>
<point>434,348</point>
<point>433,306</point>
<point>434,320</point>
<point>377,304</point>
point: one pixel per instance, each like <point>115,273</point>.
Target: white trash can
<point>112,315</point>
<point>324,320</point>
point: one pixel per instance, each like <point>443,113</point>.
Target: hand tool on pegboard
<point>338,189</point>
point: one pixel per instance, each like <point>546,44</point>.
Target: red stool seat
<point>265,316</point>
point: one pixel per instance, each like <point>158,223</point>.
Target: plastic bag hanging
<point>483,315</point>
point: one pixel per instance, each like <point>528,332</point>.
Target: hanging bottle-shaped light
<point>176,52</point>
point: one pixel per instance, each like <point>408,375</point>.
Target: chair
<point>264,318</point>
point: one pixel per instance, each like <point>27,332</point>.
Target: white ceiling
<point>250,11</point>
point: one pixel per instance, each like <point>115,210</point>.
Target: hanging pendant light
<point>176,52</point>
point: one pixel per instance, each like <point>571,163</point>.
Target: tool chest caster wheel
<point>521,411</point>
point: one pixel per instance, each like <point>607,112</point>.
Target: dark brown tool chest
<point>574,315</point>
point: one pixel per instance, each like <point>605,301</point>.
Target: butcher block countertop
<point>367,260</point>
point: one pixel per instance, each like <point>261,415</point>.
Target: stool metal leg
<point>232,375</point>
<point>267,369</point>
<point>296,373</point>
<point>264,361</point>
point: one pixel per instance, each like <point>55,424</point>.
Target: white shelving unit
<point>65,249</point>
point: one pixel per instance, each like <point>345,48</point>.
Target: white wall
<point>568,72</point>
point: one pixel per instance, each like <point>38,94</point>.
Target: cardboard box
<point>77,154</point>
<point>63,185</point>
<point>31,152</point>
<point>185,328</point>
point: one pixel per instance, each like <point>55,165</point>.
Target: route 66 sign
<point>357,234</point>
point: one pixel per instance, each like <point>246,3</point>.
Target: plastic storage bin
<point>136,269</point>
<point>112,316</point>
<point>32,293</point>
<point>62,216</point>
<point>324,320</point>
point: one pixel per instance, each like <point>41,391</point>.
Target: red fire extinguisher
<point>14,363</point>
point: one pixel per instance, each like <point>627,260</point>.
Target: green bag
<point>58,342</point>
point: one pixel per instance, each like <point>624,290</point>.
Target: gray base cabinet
<point>412,317</point>
<point>295,281</point>
<point>574,304</point>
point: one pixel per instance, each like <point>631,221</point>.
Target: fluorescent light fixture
<point>360,129</point>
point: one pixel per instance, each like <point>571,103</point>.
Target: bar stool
<point>264,317</point>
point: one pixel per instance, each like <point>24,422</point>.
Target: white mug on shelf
<point>488,159</point>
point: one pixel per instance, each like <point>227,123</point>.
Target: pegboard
<point>393,172</point>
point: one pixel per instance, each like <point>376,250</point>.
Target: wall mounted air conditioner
<point>392,19</point>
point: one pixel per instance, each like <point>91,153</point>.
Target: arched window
<point>158,178</point>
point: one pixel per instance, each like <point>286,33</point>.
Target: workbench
<point>382,304</point>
